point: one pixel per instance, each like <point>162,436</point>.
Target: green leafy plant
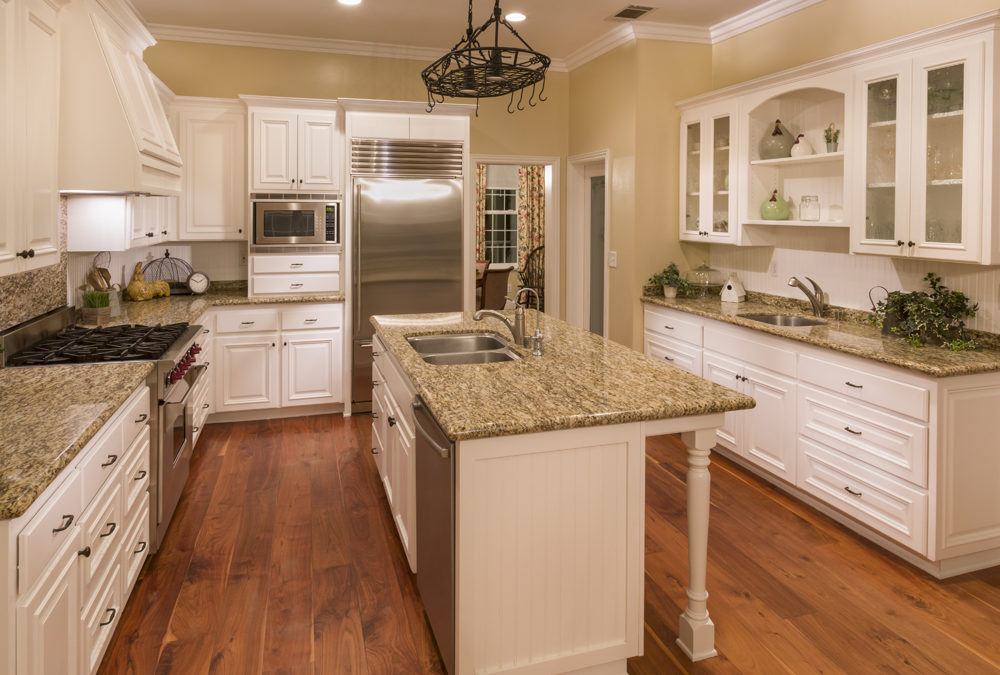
<point>831,133</point>
<point>671,276</point>
<point>937,317</point>
<point>95,299</point>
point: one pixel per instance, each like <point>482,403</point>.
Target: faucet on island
<point>815,296</point>
<point>517,328</point>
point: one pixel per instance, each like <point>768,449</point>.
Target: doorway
<point>594,215</point>
<point>587,242</point>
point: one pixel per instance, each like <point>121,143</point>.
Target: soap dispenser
<point>732,290</point>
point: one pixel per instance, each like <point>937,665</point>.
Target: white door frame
<point>552,222</point>
<point>578,237</point>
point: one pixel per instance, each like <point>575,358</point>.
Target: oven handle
<point>201,373</point>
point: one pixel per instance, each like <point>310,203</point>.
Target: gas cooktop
<point>76,344</point>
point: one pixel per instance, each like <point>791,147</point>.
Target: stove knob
<point>195,350</point>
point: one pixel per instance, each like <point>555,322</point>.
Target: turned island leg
<point>696,636</point>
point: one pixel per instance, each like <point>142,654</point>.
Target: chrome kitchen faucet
<point>815,296</point>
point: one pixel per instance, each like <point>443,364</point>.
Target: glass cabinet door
<point>691,203</point>
<point>881,176</point>
<point>720,176</point>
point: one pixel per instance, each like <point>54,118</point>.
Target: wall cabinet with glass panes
<point>708,172</point>
<point>922,151</point>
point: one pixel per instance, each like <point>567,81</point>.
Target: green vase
<point>774,208</point>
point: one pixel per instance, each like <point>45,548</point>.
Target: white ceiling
<point>554,27</point>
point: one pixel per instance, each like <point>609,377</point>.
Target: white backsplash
<point>847,278</point>
<point>221,261</point>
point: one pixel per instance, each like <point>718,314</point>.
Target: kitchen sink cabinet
<point>295,150</point>
<point>29,135</point>
<point>708,173</point>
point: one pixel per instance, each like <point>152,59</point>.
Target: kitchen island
<point>549,489</point>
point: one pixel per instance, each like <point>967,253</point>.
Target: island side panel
<point>549,550</point>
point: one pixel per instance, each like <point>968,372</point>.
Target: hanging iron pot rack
<point>471,70</point>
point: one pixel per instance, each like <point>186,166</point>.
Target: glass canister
<point>705,280</point>
<point>809,207</point>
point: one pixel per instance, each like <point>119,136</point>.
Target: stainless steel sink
<point>456,344</point>
<point>495,356</point>
<point>783,319</point>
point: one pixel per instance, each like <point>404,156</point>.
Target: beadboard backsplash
<point>221,261</point>
<point>848,278</point>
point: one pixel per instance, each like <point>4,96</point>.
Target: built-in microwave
<point>296,223</point>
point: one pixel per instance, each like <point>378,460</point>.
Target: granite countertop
<point>581,380</point>
<point>187,308</point>
<point>849,334</point>
<point>49,414</point>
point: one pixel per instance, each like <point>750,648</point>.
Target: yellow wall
<point>829,28</point>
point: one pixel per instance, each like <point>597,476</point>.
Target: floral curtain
<point>480,212</point>
<point>530,210</point>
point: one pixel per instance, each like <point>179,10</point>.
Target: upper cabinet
<point>114,131</point>
<point>295,150</point>
<point>922,149</point>
<point>29,134</point>
<point>119,222</point>
<point>708,174</point>
<point>212,136</point>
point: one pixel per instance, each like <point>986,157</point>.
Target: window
<point>501,225</point>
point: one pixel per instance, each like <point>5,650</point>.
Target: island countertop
<point>581,380</point>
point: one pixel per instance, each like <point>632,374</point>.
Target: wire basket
<point>175,271</point>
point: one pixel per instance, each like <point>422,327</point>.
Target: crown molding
<point>124,14</point>
<point>411,107</point>
<point>756,17</point>
<point>673,32</point>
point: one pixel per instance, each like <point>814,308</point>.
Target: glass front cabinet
<point>921,151</point>
<point>708,167</point>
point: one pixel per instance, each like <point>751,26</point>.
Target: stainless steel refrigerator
<point>407,239</point>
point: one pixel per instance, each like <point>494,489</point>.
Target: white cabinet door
<point>48,619</point>
<point>403,482</point>
<point>249,377</point>
<point>138,212</point>
<point>9,229</point>
<point>311,367</point>
<point>436,128</point>
<point>708,174</point>
<point>380,125</point>
<point>728,373</point>
<point>274,150</point>
<point>769,429</point>
<point>318,168</point>
<point>213,199</point>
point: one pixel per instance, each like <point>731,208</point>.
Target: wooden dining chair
<point>495,288</point>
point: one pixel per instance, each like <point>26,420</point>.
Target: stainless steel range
<point>53,339</point>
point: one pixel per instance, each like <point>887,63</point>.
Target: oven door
<point>289,223</point>
<point>176,438</point>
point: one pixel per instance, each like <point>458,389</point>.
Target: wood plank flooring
<point>282,558</point>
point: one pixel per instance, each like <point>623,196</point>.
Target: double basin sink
<point>462,348</point>
<point>785,320</point>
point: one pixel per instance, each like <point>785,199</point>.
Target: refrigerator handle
<point>356,266</point>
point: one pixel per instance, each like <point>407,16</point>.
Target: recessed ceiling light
<point>514,17</point>
<point>349,2</point>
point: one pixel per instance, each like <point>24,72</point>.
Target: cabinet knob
<point>163,232</point>
<point>900,242</point>
<point>300,181</point>
<point>31,253</point>
<point>374,451</point>
<point>240,230</point>
<point>150,234</point>
<point>85,552</point>
<point>392,421</point>
<point>911,244</point>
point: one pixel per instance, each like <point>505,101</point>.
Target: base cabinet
<point>311,367</point>
<point>249,366</point>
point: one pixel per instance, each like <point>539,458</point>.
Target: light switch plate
<point>612,259</point>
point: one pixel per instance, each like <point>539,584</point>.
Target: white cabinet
<point>295,150</point>
<point>294,274</point>
<point>674,339</point>
<point>311,367</point>
<point>425,126</point>
<point>212,137</point>
<point>921,152</point>
<point>29,135</point>
<point>119,222</point>
<point>709,173</point>
<point>249,372</point>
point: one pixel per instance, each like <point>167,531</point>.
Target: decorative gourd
<point>776,143</point>
<point>774,208</point>
<point>801,147</point>
<point>140,289</point>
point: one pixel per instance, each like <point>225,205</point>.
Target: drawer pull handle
<point>668,327</point>
<point>295,265</point>
<point>850,491</point>
<point>856,386</point>
<point>374,415</point>
<point>67,521</point>
<point>311,320</point>
<point>111,529</point>
<point>392,421</point>
<point>375,383</point>
<point>207,405</point>
<point>376,354</point>
<point>142,418</point>
<point>110,618</point>
<point>194,430</point>
<point>247,323</point>
<point>85,552</point>
<point>140,475</point>
<point>852,431</point>
<point>205,332</point>
<point>667,357</point>
<point>296,286</point>
<point>111,460</point>
<point>374,451</point>
<point>140,548</point>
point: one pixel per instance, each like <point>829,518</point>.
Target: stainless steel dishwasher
<point>436,529</point>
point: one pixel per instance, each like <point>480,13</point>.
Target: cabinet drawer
<point>295,284</point>
<point>752,349</point>
<point>894,395</point>
<point>888,442</point>
<point>319,316</point>
<point>103,526</point>
<point>49,529</point>
<point>290,264</point>
<point>247,321</point>
<point>136,544</point>
<point>670,324</point>
<point>100,617</point>
<point>885,504</point>
<point>102,460</point>
<point>676,353</point>
<point>135,473</point>
<point>135,417</point>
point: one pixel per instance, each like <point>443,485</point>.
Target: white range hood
<point>114,135</point>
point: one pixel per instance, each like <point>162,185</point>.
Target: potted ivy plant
<point>936,317</point>
<point>670,279</point>
<point>831,135</point>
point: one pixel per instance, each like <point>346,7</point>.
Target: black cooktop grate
<point>100,345</point>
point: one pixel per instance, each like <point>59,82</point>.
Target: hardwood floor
<point>282,558</point>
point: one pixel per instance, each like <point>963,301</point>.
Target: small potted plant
<point>935,318</point>
<point>831,135</point>
<point>96,308</point>
<point>671,281</point>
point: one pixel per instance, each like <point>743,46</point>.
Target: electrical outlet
<point>773,270</point>
<point>243,259</point>
<point>613,259</point>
